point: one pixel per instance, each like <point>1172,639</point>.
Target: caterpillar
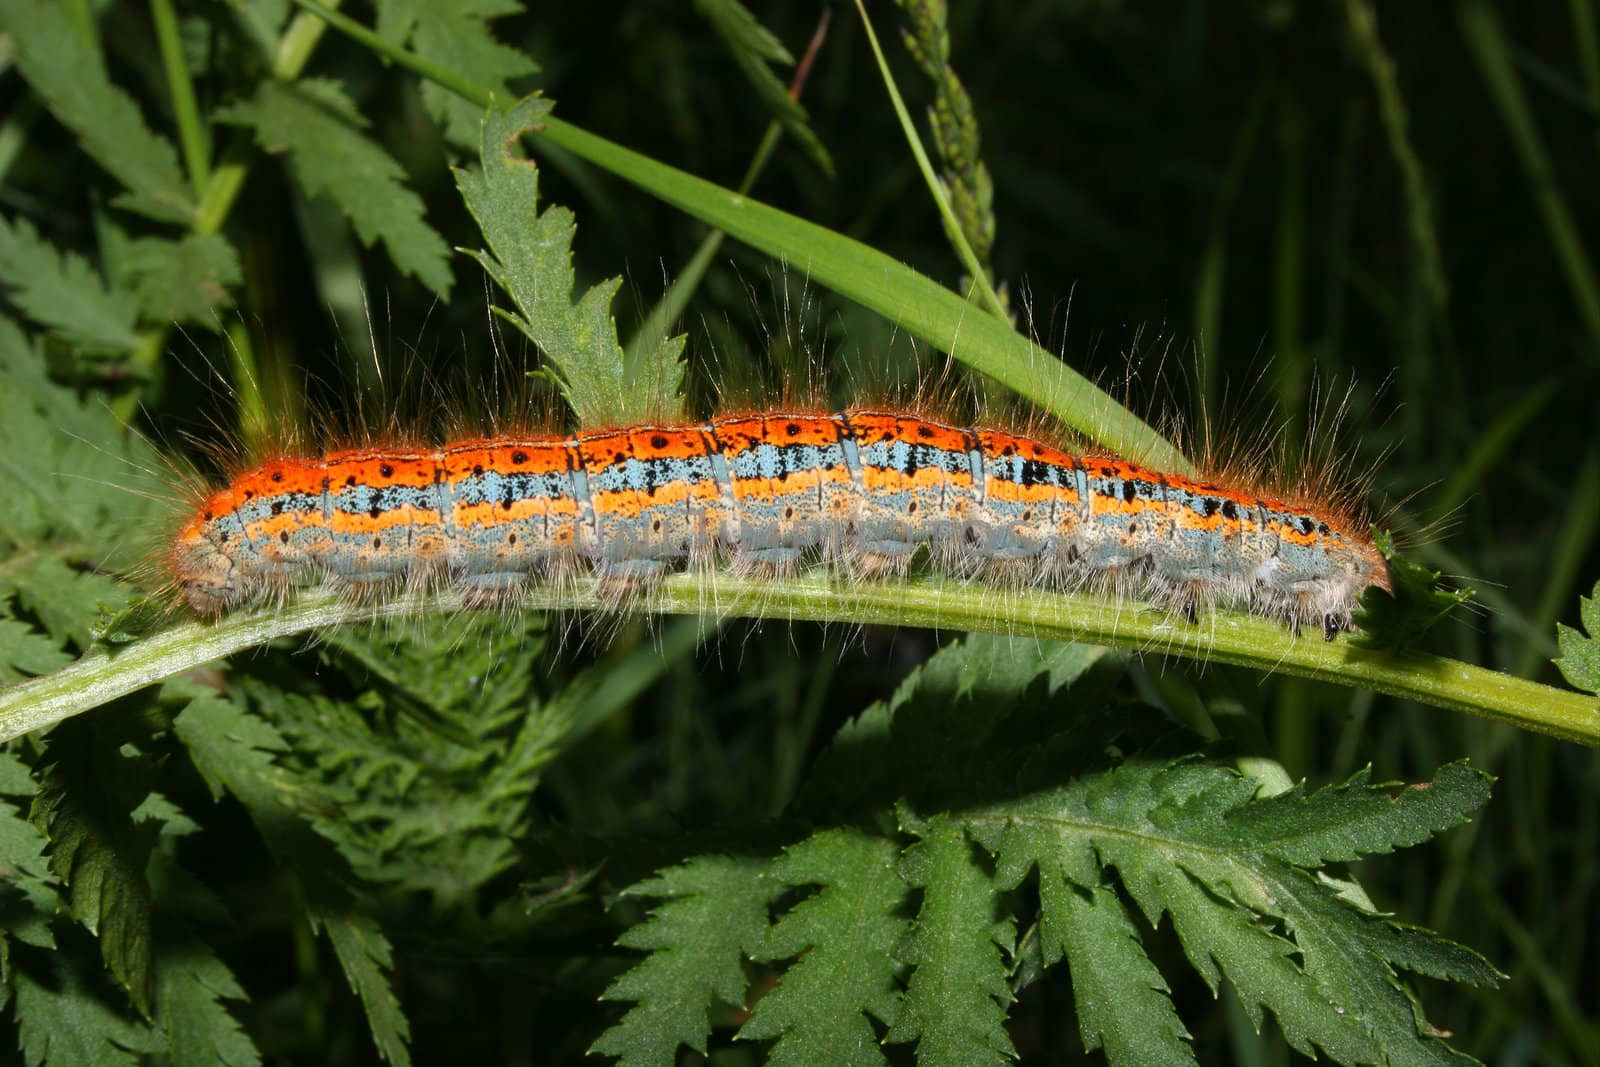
<point>862,490</point>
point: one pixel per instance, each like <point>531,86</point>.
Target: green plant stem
<point>105,674</point>
<point>191,129</point>
<point>1363,21</point>
<point>223,183</point>
<point>858,271</point>
<point>969,259</point>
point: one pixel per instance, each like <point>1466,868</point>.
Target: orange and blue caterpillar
<point>862,490</point>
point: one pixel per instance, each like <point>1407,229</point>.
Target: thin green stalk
<point>670,308</point>
<point>192,134</point>
<point>1486,38</point>
<point>443,77</point>
<point>1363,20</point>
<point>223,184</point>
<point>969,259</point>
<point>105,674</point>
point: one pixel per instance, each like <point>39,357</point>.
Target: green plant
<point>428,826</point>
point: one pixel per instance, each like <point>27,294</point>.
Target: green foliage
<point>317,124</point>
<point>84,807</point>
<point>65,68</point>
<point>456,36</point>
<point>71,474</point>
<point>63,1017</point>
<point>754,48</point>
<point>1580,649</point>
<point>513,838</point>
<point>712,916</point>
<point>1413,605</point>
<point>61,291</point>
<point>955,999</point>
<point>1239,877</point>
<point>845,935</point>
<point>436,803</point>
<point>186,280</point>
<point>530,257</point>
<point>232,750</point>
<point>192,984</point>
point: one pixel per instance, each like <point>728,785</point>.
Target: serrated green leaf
<point>63,1019</point>
<point>851,926</point>
<point>954,1006</point>
<point>1186,841</point>
<point>191,986</point>
<point>712,913</point>
<point>61,291</point>
<point>1579,663</point>
<point>68,475</point>
<point>69,75</point>
<point>186,280</point>
<point>753,47</point>
<point>66,600</point>
<point>1345,822</point>
<point>16,780</point>
<point>426,785</point>
<point>317,125</point>
<point>1412,607</point>
<point>1335,942</point>
<point>233,750</point>
<point>1124,1005</point>
<point>25,652</point>
<point>530,257</point>
<point>24,872</point>
<point>1221,938</point>
<point>98,851</point>
<point>1421,951</point>
<point>457,37</point>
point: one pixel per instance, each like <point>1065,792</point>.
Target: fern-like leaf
<point>99,852</point>
<point>234,751</point>
<point>1580,649</point>
<point>1345,822</point>
<point>1185,841</point>
<point>954,1007</point>
<point>1412,606</point>
<point>61,291</point>
<point>427,783</point>
<point>457,37</point>
<point>530,257</point>
<point>1122,1000</point>
<point>65,1017</point>
<point>186,280</point>
<point>711,916</point>
<point>845,937</point>
<point>70,76</point>
<point>60,522</point>
<point>28,889</point>
<point>192,985</point>
<point>319,127</point>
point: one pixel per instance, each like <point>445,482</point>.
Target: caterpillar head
<point>204,566</point>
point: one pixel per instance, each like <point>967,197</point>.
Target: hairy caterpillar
<point>863,490</point>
